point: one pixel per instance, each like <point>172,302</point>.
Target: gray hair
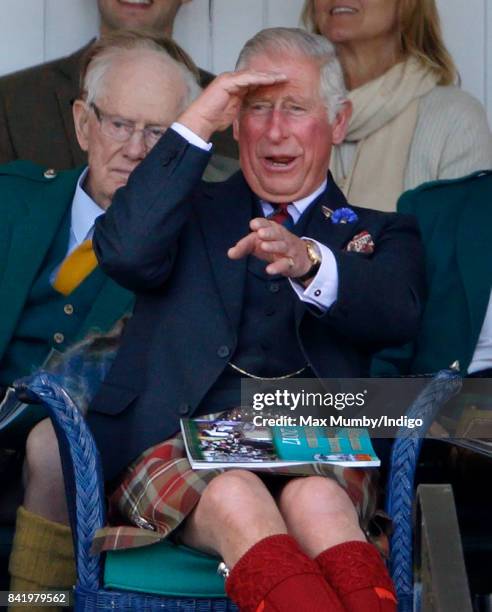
<point>111,48</point>
<point>294,41</point>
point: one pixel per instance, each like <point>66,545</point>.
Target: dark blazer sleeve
<point>396,360</point>
<point>135,241</point>
<point>380,298</point>
<point>224,144</point>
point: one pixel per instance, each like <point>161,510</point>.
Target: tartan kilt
<point>160,489</point>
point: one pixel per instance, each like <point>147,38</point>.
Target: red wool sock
<point>357,573</point>
<point>274,575</point>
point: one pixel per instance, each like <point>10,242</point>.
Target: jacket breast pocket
<point>113,399</point>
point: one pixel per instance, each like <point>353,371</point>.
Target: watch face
<point>313,252</point>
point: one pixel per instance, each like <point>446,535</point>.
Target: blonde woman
<point>410,122</point>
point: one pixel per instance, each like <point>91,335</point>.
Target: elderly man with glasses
<point>54,292</point>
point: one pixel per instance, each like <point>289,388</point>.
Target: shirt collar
<point>302,204</point>
<point>84,212</point>
<point>297,207</point>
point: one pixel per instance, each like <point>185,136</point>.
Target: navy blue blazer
<point>166,237</point>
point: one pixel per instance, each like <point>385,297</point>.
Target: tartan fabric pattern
<point>156,494</point>
<point>160,489</point>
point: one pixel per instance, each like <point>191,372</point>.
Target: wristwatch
<point>314,254</point>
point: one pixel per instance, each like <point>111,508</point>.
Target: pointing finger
<point>243,247</point>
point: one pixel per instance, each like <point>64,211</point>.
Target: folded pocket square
<point>361,243</point>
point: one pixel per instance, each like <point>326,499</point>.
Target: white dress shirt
<point>83,215</point>
<point>482,356</point>
<point>323,289</point>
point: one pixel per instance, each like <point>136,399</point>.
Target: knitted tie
<point>281,215</point>
<point>75,268</point>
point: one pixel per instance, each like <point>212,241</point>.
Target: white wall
<point>213,31</point>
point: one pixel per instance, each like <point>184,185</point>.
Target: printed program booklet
<point>241,444</point>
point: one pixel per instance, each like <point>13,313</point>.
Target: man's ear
<point>235,129</point>
<point>339,126</point>
<point>80,113</point>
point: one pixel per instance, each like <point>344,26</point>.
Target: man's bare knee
<point>42,453</point>
<point>230,493</point>
<point>235,511</point>
<point>319,513</point>
<point>43,476</point>
<point>315,494</point>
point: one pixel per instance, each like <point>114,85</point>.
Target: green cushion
<point>164,569</point>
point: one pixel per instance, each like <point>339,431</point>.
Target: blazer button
<point>274,287</point>
<point>223,351</point>
<point>184,409</point>
<point>50,173</point>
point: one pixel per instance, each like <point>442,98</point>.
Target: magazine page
<point>232,443</point>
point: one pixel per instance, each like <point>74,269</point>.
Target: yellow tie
<point>75,267</point>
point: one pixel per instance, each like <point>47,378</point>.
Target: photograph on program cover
<point>234,444</point>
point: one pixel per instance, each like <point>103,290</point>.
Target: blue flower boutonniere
<point>343,215</point>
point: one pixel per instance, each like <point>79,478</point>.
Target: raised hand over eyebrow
<point>218,105</point>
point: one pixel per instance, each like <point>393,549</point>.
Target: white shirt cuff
<point>323,289</point>
<point>190,136</point>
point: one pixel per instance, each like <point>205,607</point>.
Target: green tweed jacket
<point>31,208</point>
<point>455,219</point>
<point>36,119</point>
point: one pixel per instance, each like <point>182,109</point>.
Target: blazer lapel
<point>225,220</point>
<point>475,267</point>
<point>31,238</point>
<point>320,226</point>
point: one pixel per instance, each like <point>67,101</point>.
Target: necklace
<point>250,375</point>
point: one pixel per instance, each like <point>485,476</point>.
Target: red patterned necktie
<point>281,215</point>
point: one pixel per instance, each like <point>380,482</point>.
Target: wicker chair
<point>86,496</point>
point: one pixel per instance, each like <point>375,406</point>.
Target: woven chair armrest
<point>78,446</point>
<point>400,489</point>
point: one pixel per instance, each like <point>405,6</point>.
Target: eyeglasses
<point>122,130</point>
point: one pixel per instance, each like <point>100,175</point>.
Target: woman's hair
<point>294,41</point>
<point>100,56</point>
<point>420,36</point>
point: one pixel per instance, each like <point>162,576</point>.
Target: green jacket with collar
<point>455,219</point>
<point>32,204</point>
